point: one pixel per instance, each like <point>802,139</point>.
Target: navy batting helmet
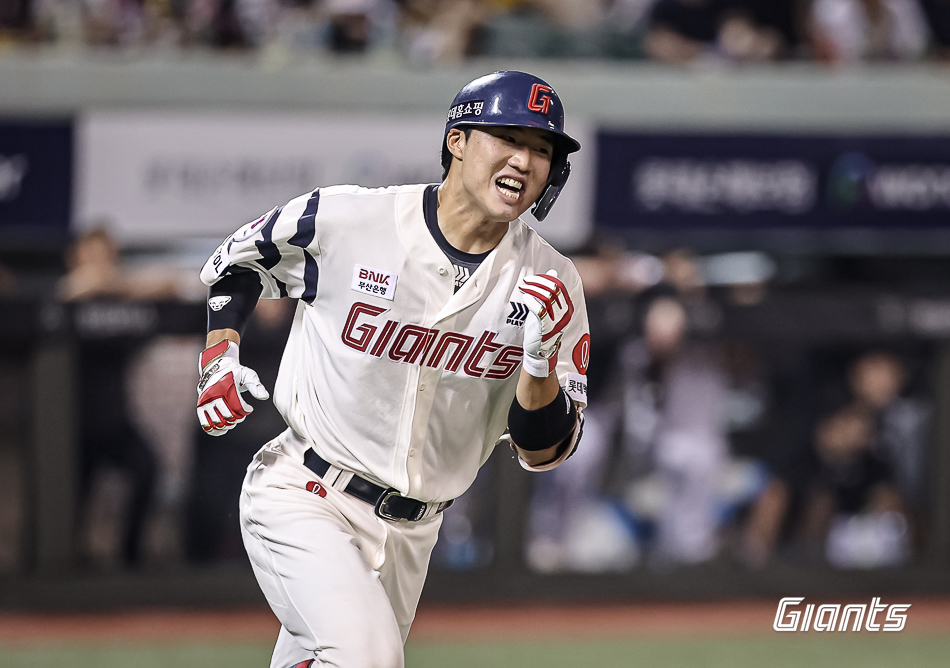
<point>522,100</point>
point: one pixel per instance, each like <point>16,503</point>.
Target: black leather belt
<point>389,504</point>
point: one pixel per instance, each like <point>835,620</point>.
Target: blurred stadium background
<point>761,214</point>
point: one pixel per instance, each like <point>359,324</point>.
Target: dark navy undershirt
<point>464,264</point>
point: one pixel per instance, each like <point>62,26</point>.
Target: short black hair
<point>446,156</point>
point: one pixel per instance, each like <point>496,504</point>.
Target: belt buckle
<point>381,505</point>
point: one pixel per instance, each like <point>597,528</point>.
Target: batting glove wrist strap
<point>549,311</point>
<point>220,404</point>
<point>537,366</point>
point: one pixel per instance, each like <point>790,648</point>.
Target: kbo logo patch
<point>374,282</point>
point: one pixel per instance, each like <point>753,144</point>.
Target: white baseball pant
<point>343,583</point>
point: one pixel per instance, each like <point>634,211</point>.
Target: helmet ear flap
<point>559,174</point>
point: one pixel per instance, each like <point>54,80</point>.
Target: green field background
<point>773,651</point>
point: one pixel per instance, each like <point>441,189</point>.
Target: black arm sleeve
<point>545,427</point>
<point>232,299</point>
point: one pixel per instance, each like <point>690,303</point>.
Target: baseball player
<point>432,324</point>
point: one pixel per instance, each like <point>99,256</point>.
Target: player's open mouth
<point>510,188</point>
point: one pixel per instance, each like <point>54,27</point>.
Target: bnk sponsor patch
<point>374,282</point>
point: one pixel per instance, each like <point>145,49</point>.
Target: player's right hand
<point>223,379</point>
<point>549,311</point>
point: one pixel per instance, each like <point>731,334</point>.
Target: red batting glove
<point>550,309</point>
<point>220,405</point>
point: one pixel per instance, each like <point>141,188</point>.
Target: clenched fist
<point>550,310</point>
<point>223,379</point>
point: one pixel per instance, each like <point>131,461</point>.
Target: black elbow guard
<point>542,428</point>
<point>232,299</point>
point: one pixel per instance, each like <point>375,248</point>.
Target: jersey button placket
<point>443,271</point>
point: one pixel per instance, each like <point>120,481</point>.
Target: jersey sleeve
<point>281,246</point>
<point>574,354</point>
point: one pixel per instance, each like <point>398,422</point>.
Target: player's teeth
<point>511,183</point>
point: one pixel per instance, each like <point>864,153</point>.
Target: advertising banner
<point>756,181</point>
<point>36,163</point>
<point>150,177</point>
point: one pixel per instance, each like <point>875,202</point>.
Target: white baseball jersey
<point>388,372</point>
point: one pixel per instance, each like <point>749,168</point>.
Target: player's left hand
<point>223,379</point>
<point>550,310</point>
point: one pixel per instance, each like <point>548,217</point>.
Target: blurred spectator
<point>869,465</point>
<point>628,14</point>
<point>113,22</point>
<point>255,19</point>
<point>563,28</point>
<point>107,435</point>
<point>855,510</point>
<point>441,31</point>
<point>938,19</point>
<point>669,31</point>
<point>113,329</point>
<point>575,14</point>
<point>848,31</point>
<point>676,392</point>
<point>681,31</point>
<point>357,26</point>
<point>743,30</point>
<point>789,457</point>
<point>757,30</point>
<point>625,24</point>
<point>59,21</point>
<point>95,271</point>
<point>15,20</point>
<point>299,25</point>
<point>576,26</point>
<point>349,25</point>
<point>229,24</point>
<point>877,381</point>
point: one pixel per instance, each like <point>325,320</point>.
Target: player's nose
<point>520,157</point>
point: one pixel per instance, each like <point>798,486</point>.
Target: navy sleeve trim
<point>306,224</point>
<point>270,254</point>
<point>306,228</point>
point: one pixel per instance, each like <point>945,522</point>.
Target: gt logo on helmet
<point>537,101</point>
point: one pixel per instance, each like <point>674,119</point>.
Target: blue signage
<point>36,175</point>
<point>762,181</point>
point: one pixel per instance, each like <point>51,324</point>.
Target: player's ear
<point>455,141</point>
